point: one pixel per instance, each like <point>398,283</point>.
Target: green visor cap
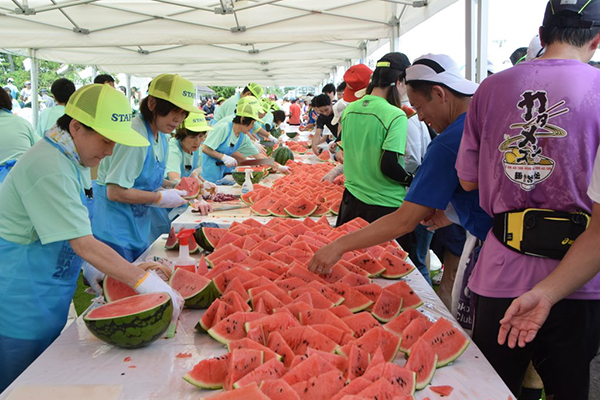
<point>107,111</point>
<point>196,123</point>
<point>175,89</point>
<point>256,89</point>
<point>249,107</point>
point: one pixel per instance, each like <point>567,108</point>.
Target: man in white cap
<point>531,137</point>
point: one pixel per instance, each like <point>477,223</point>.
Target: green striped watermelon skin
<point>282,154</point>
<point>134,330</point>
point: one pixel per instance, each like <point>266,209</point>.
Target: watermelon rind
<point>437,340</point>
<point>202,298</point>
<point>209,367</point>
<point>134,330</point>
<point>282,155</point>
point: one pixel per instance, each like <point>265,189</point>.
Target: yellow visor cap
<point>196,123</point>
<point>249,107</point>
<point>107,111</point>
<point>175,89</point>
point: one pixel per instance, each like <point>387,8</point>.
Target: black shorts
<point>561,352</point>
<point>352,207</point>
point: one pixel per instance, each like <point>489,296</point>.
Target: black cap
<point>397,61</point>
<point>582,14</point>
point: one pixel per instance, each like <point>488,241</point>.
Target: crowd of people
<point>501,179</point>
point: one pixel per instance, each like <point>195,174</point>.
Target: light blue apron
<point>210,170</point>
<point>126,227</point>
<point>37,283</point>
<point>6,166</point>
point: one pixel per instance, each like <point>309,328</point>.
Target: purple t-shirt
<point>530,140</point>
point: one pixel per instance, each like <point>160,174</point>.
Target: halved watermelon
<point>196,290</point>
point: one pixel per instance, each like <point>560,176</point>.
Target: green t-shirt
<point>125,164</point>
<point>219,134</point>
<point>41,198</point>
<point>177,155</point>
<point>227,107</point>
<point>48,118</point>
<point>371,125</point>
<point>16,137</point>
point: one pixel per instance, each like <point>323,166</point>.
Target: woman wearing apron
<point>132,179</point>
<point>230,142</point>
<point>184,161</point>
<point>16,135</point>
<point>45,227</point>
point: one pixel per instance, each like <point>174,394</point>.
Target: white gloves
<point>283,169</point>
<point>229,161</point>
<point>334,173</point>
<point>93,276</point>
<point>170,198</point>
<point>203,206</point>
<point>197,171</point>
<point>273,139</point>
<point>151,283</point>
<point>209,185</point>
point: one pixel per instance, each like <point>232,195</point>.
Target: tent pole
<point>482,34</point>
<point>128,86</point>
<point>34,88</point>
<point>470,39</point>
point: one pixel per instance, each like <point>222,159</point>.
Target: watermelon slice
<point>413,332</point>
<point>313,366</point>
<point>446,340</point>
<point>377,337</point>
<point>262,206</point>
<point>387,306</point>
<point>251,392</point>
<point>279,390</point>
<point>196,290</point>
<point>191,186</point>
<point>210,373</point>
<point>241,363</point>
<point>206,321</point>
<point>410,299</point>
<point>116,290</point>
<point>354,387</point>
<point>172,242</point>
<point>302,337</point>
<point>320,387</point>
<point>445,390</point>
<point>358,361</point>
<point>423,362</point>
<point>398,324</point>
<point>273,323</point>
<point>232,327</point>
<point>360,323</point>
<point>395,267</point>
<point>280,346</point>
<point>300,208</point>
<point>270,370</point>
<point>246,343</point>
<point>369,264</point>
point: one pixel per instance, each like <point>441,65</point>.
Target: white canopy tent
<point>272,42</point>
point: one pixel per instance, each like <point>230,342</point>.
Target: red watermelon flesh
<point>302,337</point>
<point>227,238</point>
<point>220,268</point>
<point>116,290</point>
<point>353,299</point>
<point>172,242</point>
<point>262,206</point>
<point>398,324</point>
<point>223,280</point>
<point>251,392</point>
<point>196,290</point>
<point>354,279</point>
<point>202,268</point>
<point>269,301</point>
<point>246,343</point>
<point>210,373</point>
<point>206,322</point>
<point>340,362</point>
<point>279,390</point>
<point>378,337</point>
<point>247,198</point>
<point>241,363</point>
<point>445,390</point>
<point>236,301</point>
<point>329,293</point>
<point>423,362</point>
<point>395,267</point>
<point>358,361</point>
<point>372,291</point>
<point>369,264</point>
<point>387,306</point>
<point>280,346</point>
<point>269,371</point>
<point>360,323</point>
<point>446,340</point>
<point>128,306</point>
<point>232,327</point>
<point>410,299</point>
<point>313,366</point>
<point>191,186</point>
<point>275,322</point>
<point>257,335</point>
<point>319,301</point>
<point>274,290</point>
<point>336,273</point>
<point>236,286</point>
<point>381,389</point>
<point>269,247</point>
<point>260,271</point>
<point>395,250</point>
<point>401,378</point>
<point>354,387</point>
<point>290,284</point>
<point>320,388</point>
<point>413,332</point>
<point>319,316</point>
<point>333,333</point>
<point>300,208</point>
<point>278,208</point>
<point>341,311</point>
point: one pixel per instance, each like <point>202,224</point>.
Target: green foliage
<point>223,91</point>
<point>11,66</point>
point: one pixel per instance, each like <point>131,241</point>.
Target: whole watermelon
<point>131,322</point>
<point>282,154</point>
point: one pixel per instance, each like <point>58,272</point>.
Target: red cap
<point>357,78</point>
<point>184,236</point>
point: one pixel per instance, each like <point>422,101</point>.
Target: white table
<point>78,358</point>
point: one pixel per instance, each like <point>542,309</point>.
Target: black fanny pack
<point>538,232</point>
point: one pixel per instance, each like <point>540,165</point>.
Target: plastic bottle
<point>247,185</point>
<point>184,260</point>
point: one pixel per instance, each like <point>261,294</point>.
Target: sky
<point>512,24</point>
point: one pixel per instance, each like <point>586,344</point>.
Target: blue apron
<point>37,283</point>
<point>5,169</point>
<point>126,227</point>
<point>210,170</point>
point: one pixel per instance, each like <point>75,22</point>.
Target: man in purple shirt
<point>530,140</point>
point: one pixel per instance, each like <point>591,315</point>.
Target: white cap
<point>535,48</point>
<point>338,108</point>
<point>441,69</point>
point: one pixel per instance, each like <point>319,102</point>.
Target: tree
<point>11,66</point>
<point>223,91</point>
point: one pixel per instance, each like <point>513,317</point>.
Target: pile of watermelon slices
<point>292,334</point>
<point>299,194</point>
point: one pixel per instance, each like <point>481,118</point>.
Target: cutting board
<point>71,392</point>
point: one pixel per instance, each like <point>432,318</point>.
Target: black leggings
<point>352,207</point>
<point>561,352</point>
